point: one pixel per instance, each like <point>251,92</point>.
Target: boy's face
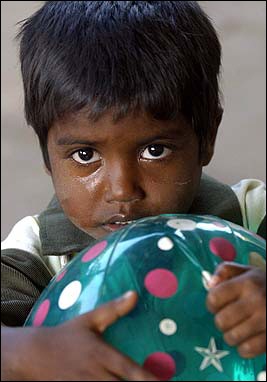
<point>106,173</point>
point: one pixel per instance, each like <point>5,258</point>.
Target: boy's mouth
<point>117,222</point>
<point>115,226</point>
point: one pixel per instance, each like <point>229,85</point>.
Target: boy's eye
<point>156,151</point>
<point>85,156</point>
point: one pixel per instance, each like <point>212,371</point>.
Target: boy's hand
<point>237,297</point>
<point>73,351</point>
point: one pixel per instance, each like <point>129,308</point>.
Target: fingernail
<point>215,280</point>
<point>246,348</point>
<point>127,295</point>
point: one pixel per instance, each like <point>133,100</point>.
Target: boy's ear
<point>208,149</point>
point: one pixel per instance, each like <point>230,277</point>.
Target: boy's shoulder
<point>251,194</point>
<point>25,235</point>
<point>243,203</point>
<point>24,242</point>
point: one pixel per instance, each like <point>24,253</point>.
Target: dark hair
<point>161,57</point>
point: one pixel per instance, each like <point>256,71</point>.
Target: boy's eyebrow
<point>68,141</point>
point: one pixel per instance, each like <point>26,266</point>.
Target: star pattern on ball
<point>211,355</point>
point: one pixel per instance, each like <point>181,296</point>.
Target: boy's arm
<point>73,351</point>
<point>24,271</point>
<point>23,277</point>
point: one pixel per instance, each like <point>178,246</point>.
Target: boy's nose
<point>122,184</point>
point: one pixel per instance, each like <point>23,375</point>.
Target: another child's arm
<point>237,297</point>
<point>73,351</point>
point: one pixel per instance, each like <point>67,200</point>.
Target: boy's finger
<point>226,271</point>
<point>253,346</point>
<point>107,314</point>
<point>245,330</point>
<point>233,314</point>
<point>116,363</point>
<point>223,294</point>
<point>123,367</point>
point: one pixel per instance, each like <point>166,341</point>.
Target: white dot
<point>261,376</point>
<point>206,276</point>
<point>168,327</point>
<point>69,295</point>
<point>182,224</point>
<point>165,244</point>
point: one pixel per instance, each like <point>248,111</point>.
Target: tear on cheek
<point>183,183</point>
<point>90,182</point>
<point>170,180</point>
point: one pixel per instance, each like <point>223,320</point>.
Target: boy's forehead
<point>140,124</point>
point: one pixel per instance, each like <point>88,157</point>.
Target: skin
<point>237,299</point>
<point>76,352</point>
<point>114,175</point>
<point>120,176</point>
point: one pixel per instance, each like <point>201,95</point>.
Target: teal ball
<point>168,259</point>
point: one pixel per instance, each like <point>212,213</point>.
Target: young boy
<point>123,96</point>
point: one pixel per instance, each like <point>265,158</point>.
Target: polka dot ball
<point>168,260</point>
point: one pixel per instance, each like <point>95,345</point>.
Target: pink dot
<point>160,364</point>
<point>61,275</point>
<point>41,313</point>
<point>222,248</point>
<point>161,283</point>
<point>94,251</point>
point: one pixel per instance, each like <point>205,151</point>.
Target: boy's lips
<point>117,222</point>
